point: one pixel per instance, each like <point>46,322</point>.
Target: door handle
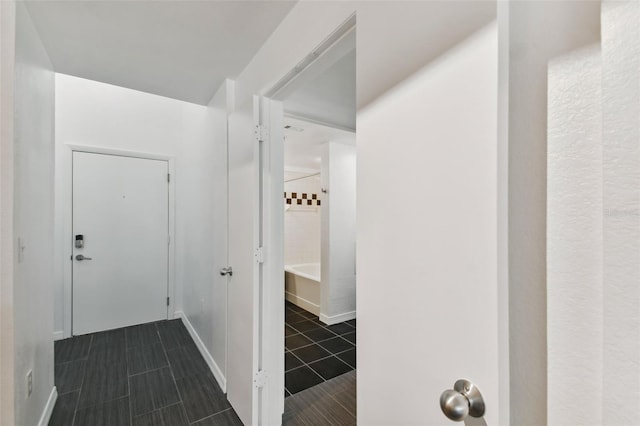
<point>81,257</point>
<point>226,271</point>
<point>463,400</point>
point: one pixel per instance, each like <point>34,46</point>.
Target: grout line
<point>331,353</point>
<point>209,416</point>
<point>84,375</point>
<point>173,376</point>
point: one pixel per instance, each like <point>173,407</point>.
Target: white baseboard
<point>334,319</point>
<point>215,369</point>
<point>303,303</point>
<point>48,409</point>
<point>58,335</point>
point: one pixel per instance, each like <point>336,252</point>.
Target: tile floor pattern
<point>149,374</point>
<point>331,403</point>
<point>315,352</point>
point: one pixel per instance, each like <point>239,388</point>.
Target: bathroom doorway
<point>319,200</point>
<point>319,253</point>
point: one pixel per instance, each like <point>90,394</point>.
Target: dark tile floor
<point>315,352</point>
<point>150,374</point>
<point>331,403</point>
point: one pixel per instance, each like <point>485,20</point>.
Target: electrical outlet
<point>29,383</point>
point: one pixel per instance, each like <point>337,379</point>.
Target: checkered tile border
<point>301,199</point>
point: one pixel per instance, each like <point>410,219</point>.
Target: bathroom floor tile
<point>300,379</point>
<point>291,361</point>
<point>293,317</point>
<point>330,367</point>
<point>350,337</point>
<point>349,357</point>
<point>308,314</point>
<point>311,353</point>
<point>340,328</point>
<point>330,348</point>
<point>296,341</point>
<point>319,334</point>
<point>291,306</point>
<point>305,326</point>
<point>289,331</point>
<point>335,345</point>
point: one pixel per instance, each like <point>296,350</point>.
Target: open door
<point>254,389</point>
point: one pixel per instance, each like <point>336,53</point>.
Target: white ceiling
<point>179,49</point>
<point>303,149</point>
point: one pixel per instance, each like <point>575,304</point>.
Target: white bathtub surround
<point>338,293</point>
<point>301,222</point>
<point>302,286</point>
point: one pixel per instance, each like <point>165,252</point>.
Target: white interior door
<point>256,289</point>
<point>243,295</point>
<point>431,233</point>
<point>120,207</point>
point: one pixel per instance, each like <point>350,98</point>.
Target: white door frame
<point>68,223</point>
<point>271,229</point>
<point>269,111</point>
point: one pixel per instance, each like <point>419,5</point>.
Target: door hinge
<point>169,240</point>
<point>167,301</point>
<point>168,177</point>
<point>260,379</point>
<point>262,133</point>
<point>259,255</point>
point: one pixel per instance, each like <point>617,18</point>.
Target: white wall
<point>33,226</point>
<point>7,355</point>
<point>106,116</point>
<point>621,157</point>
<point>539,31</point>
<point>338,294</point>
<point>302,223</point>
<point>202,226</point>
<point>574,238</point>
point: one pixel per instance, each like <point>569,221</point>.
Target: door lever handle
<point>82,257</point>
<point>226,271</point>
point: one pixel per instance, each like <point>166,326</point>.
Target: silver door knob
<point>463,400</point>
<point>81,257</point>
<point>226,271</point>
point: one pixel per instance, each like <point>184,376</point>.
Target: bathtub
<point>302,286</point>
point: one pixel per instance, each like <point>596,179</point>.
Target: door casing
<point>68,224</point>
